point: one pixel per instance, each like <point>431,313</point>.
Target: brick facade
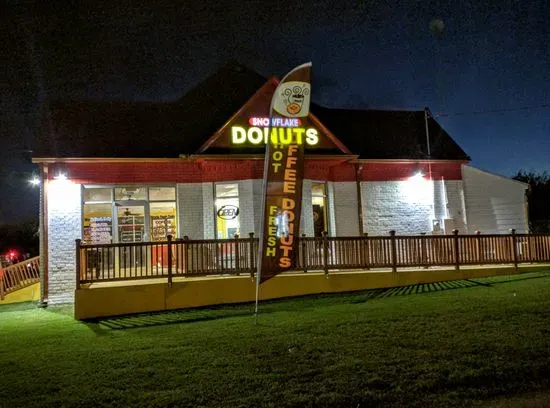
<point>64,226</point>
<point>190,210</point>
<point>344,203</point>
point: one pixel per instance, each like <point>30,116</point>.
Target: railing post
<point>456,249</point>
<point>325,252</point>
<point>529,253</point>
<point>366,258</point>
<point>304,252</point>
<point>78,262</point>
<point>169,238</point>
<point>2,288</point>
<point>185,252</point>
<point>514,247</point>
<point>237,255</point>
<point>251,253</point>
<point>478,246</point>
<point>393,244</point>
<point>423,250</point>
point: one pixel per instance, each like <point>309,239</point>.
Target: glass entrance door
<point>132,222</point>
<point>132,226</point>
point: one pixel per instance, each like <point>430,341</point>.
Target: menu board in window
<point>98,230</point>
<point>162,226</point>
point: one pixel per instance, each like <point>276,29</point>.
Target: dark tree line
<point>539,199</point>
<point>22,237</point>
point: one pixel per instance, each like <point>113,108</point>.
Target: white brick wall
<point>456,210</point>
<point>405,206</point>
<point>306,222</point>
<point>345,203</point>
<point>248,222</point>
<point>190,210</point>
<point>208,210</point>
<point>331,211</point>
<point>494,204</point>
<point>258,192</point>
<point>64,226</point>
<point>440,200</point>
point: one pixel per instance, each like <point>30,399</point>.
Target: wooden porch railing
<point>185,257</point>
<point>18,276</point>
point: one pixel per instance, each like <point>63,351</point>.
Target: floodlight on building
<point>61,177</point>
<point>417,189</point>
<point>34,181</point>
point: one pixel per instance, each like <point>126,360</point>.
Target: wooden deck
<point>186,258</point>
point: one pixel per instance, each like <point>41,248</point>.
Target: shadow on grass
<point>270,306</point>
<point>167,318</point>
<point>495,280</point>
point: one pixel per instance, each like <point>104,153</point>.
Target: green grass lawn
<point>463,343</point>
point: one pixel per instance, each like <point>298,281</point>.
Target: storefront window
<point>96,195</point>
<point>319,201</point>
<point>163,220</point>
<point>97,216</point>
<point>152,217</point>
<point>130,193</point>
<point>162,194</point>
<point>227,210</point>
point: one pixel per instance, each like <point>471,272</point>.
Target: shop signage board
<point>252,126</point>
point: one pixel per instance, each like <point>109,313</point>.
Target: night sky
<point>485,78</point>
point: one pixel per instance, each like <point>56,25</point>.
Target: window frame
<point>215,206</point>
<point>113,202</point>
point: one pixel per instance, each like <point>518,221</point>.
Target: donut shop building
<point>130,172</point>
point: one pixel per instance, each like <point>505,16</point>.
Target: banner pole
<point>290,100</point>
<point>264,193</point>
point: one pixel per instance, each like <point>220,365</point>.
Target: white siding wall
<point>190,210</point>
<point>494,204</point>
<point>64,226</point>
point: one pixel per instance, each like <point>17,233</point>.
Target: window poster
<point>162,226</point>
<point>99,230</point>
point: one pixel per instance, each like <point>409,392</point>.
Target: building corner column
<point>358,170</point>
<point>43,234</point>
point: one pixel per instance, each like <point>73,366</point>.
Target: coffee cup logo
<point>293,99</point>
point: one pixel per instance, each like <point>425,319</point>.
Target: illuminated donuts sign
<point>283,131</point>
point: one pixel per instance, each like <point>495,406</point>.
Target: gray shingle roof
<point>154,130</point>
